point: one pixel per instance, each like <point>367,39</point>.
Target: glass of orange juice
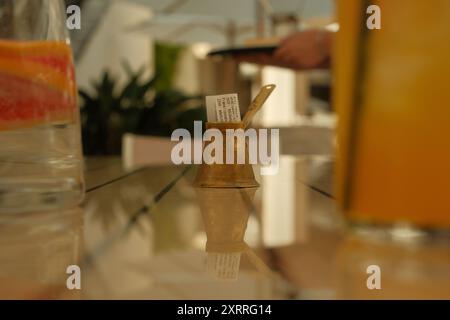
<point>40,153</point>
<point>393,100</point>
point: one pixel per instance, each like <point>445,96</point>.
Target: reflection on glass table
<point>35,252</point>
<point>225,213</point>
<point>149,234</point>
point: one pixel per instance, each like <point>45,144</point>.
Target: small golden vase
<point>226,175</point>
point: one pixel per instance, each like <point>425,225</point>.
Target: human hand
<point>301,51</point>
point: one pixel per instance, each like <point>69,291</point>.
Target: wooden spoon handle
<point>257,103</point>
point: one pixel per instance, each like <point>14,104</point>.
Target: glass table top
<point>148,233</point>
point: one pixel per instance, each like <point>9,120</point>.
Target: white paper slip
<point>211,108</point>
<point>223,108</point>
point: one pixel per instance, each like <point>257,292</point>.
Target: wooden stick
<point>257,103</point>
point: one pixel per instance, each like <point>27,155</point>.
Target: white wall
<point>111,44</point>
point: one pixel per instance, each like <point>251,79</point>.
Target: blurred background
<point>142,68</point>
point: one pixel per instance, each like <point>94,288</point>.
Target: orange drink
<point>393,101</point>
<point>38,85</point>
<point>40,157</point>
<point>41,162</point>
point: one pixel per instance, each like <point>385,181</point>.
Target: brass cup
<point>226,175</point>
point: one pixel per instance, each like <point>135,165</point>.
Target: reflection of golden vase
<point>225,214</point>
<point>226,175</point>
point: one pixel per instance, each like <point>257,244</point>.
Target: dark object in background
<point>269,49</point>
<point>138,108</point>
<point>321,92</point>
<point>75,2</point>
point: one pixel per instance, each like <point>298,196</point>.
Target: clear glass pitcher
<point>40,141</point>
